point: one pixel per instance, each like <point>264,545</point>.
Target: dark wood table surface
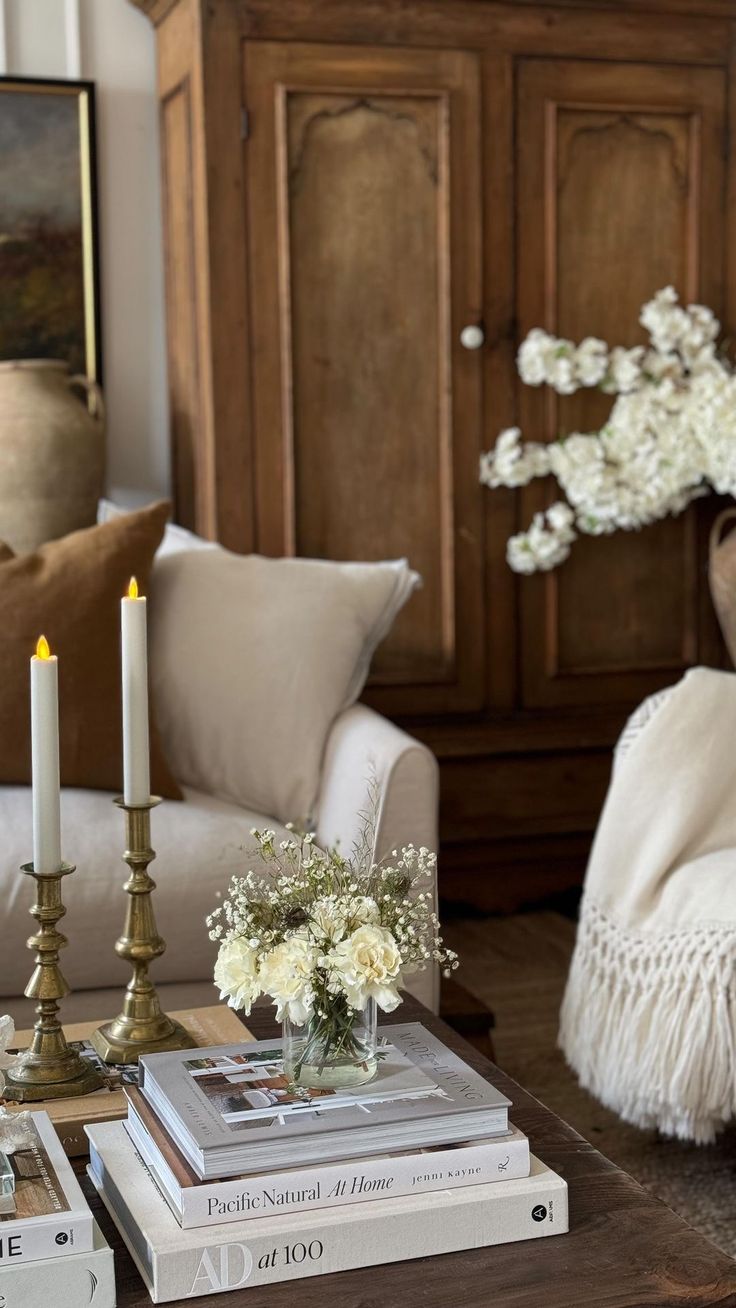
<point>625,1249</point>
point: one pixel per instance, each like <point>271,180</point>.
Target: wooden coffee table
<point>625,1249</point>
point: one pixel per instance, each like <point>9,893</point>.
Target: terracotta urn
<point>52,452</point>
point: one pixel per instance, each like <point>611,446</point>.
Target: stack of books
<point>51,1249</point>
<point>225,1175</point>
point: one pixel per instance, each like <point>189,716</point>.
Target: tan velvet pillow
<point>69,590</point>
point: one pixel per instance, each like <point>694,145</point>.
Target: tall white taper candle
<point>136,772</point>
<point>45,759</point>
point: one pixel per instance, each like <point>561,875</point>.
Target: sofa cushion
<point>252,659</point>
<point>70,590</point>
<point>199,846</point>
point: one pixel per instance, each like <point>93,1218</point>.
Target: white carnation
<point>287,975</point>
<point>367,965</point>
<point>327,918</point>
<point>236,974</point>
<point>330,917</point>
<point>365,910</point>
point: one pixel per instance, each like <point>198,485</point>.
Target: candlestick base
<point>48,1069</point>
<point>125,1038</point>
<point>141,1027</point>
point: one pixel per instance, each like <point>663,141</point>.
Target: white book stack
<point>51,1250</point>
<point>421,1160</point>
<point>176,1265</point>
<point>332,1185</point>
<point>48,1215</point>
<point>78,1280</point>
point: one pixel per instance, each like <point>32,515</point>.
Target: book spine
<point>350,1183</point>
<point>326,1244</point>
<point>79,1279</point>
<point>32,1238</point>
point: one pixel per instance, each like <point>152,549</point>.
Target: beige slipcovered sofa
<point>203,841</point>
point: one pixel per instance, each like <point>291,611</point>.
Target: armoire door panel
<point>368,231</point>
<point>367,410</point>
<point>620,193</point>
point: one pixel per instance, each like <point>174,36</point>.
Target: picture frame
<point>49,225</point>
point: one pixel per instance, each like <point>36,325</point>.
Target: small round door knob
<point>472,337</point>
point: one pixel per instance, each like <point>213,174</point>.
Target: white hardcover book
<point>81,1280</point>
<point>176,1265</point>
<point>210,1203</point>
<point>49,1216</point>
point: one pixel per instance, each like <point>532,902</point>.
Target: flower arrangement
<point>670,436</point>
<point>325,936</point>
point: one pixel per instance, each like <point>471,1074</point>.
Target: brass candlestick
<point>49,1069</point>
<point>141,1027</point>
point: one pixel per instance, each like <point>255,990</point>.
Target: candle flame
<point>42,648</point>
<point>132,588</point>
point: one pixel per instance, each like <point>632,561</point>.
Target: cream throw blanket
<point>648,1021</point>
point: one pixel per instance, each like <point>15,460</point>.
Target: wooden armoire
<point>349,185</point>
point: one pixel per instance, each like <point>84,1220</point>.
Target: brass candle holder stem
<point>141,1027</point>
<point>48,1069</point>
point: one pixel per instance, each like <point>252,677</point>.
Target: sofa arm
<point>362,744</point>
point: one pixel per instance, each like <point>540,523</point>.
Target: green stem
<point>330,1037</point>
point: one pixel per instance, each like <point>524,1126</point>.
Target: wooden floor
<point>517,965</point>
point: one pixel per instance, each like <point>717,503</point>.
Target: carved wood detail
<point>370,378</point>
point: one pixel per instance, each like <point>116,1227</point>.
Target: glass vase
<point>333,1050</point>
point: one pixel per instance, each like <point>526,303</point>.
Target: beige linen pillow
<point>252,659</point>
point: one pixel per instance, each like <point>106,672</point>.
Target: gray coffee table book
<point>231,1109</point>
<point>177,1263</point>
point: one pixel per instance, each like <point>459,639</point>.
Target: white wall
<point>112,43</point>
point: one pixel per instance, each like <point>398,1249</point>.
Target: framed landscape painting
<point>49,265</point>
